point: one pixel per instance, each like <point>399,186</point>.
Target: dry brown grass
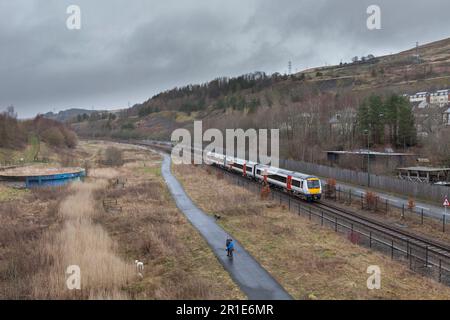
<point>178,262</point>
<point>85,244</point>
<point>23,223</point>
<point>46,230</point>
<point>307,259</point>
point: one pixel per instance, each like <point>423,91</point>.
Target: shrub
<point>71,139</point>
<point>53,137</point>
<point>411,204</point>
<point>113,157</point>
<point>371,200</point>
<point>265,192</point>
<point>330,188</point>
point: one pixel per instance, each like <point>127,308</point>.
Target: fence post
<point>440,270</point>
<point>422,217</point>
<point>362,202</point>
<point>321,223</point>
<point>443,223</point>
<point>403,211</point>
<point>407,248</point>
<point>426,256</point>
<point>370,239</point>
<point>387,208</point>
<point>335,224</point>
<point>392,249</point>
<point>410,258</point>
<point>350,196</point>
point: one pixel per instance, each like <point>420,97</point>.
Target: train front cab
<point>314,189</point>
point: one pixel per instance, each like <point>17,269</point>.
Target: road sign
<point>446,203</point>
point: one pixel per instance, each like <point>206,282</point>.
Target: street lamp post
<point>367,131</point>
<point>368,157</point>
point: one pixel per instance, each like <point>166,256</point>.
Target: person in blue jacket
<point>230,247</point>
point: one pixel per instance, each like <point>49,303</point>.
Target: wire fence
<point>409,211</point>
<point>390,184</point>
<point>425,260</point>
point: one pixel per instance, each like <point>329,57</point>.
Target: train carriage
<point>213,158</point>
<point>246,168</point>
<point>305,186</point>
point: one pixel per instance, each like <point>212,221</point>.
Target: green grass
<point>7,194</point>
<point>15,157</point>
<point>155,171</point>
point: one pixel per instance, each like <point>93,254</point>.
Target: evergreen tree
<point>374,115</point>
<point>407,135</point>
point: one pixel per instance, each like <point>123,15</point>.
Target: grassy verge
<point>310,261</point>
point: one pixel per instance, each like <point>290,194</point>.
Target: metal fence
<point>419,215</point>
<point>419,258</point>
<point>390,184</point>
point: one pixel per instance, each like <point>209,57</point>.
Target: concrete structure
<point>358,158</point>
<point>424,174</point>
<point>36,176</point>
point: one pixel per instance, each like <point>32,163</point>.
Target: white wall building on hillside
<point>440,97</point>
<point>418,97</point>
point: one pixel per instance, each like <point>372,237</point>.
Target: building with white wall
<point>440,97</point>
<point>418,97</point>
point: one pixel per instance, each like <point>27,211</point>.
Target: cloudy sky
<point>128,50</point>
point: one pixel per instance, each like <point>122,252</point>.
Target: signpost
<point>446,204</point>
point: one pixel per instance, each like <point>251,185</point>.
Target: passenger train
<point>302,185</point>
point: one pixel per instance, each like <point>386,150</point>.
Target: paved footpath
<point>251,277</point>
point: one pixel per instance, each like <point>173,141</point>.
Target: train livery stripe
<point>289,182</point>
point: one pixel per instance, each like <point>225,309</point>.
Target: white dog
<point>139,266</point>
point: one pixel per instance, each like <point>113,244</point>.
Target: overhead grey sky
<point>126,51</point>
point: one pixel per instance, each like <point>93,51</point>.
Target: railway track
<point>425,255</point>
<point>433,245</point>
<point>414,239</point>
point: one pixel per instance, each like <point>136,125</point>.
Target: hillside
<point>301,104</point>
<point>32,140</point>
<point>68,114</point>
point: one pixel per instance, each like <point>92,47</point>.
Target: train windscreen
<point>313,184</point>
